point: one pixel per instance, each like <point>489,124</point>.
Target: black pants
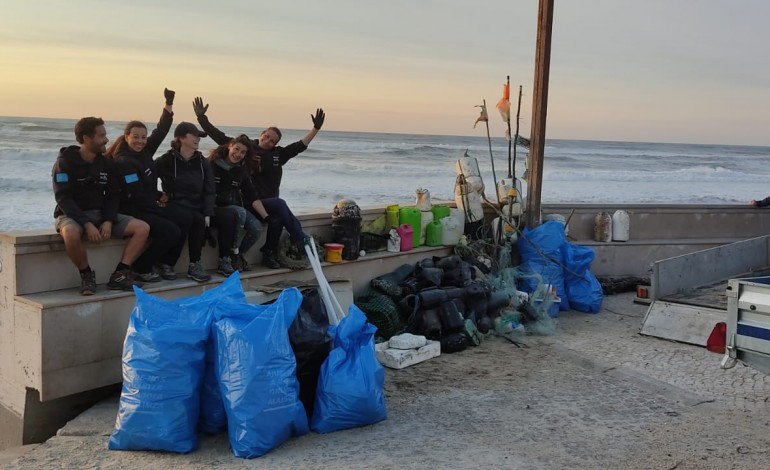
<point>195,232</point>
<point>168,232</point>
<point>226,221</point>
<point>276,207</point>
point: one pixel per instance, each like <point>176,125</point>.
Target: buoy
<point>621,226</point>
<point>603,227</point>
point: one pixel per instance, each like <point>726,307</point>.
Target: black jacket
<point>267,169</point>
<point>234,187</point>
<point>188,183</point>
<point>80,186</point>
<point>137,173</point>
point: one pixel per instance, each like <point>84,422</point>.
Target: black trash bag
<point>311,344</point>
<point>453,343</point>
<point>432,297</point>
<point>410,286</point>
<point>424,263</point>
<point>448,263</point>
<point>497,300</point>
<point>430,324</point>
<point>408,307</point>
<point>428,277</point>
<point>452,320</point>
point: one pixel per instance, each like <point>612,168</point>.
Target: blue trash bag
<point>163,363</point>
<point>583,289</point>
<point>257,374</point>
<point>350,386</point>
<point>213,419</point>
<point>541,259</point>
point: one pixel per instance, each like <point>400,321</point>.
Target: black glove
<point>198,107</point>
<point>318,119</point>
<point>209,237</point>
<point>169,94</point>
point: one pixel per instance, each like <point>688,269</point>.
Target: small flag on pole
<point>504,105</point>
<point>483,117</point>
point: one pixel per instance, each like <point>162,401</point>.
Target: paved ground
<point>594,394</point>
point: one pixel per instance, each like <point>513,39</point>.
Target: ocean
<point>381,169</point>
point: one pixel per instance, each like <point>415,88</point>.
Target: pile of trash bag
<point>264,373</point>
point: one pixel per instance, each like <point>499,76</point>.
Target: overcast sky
<point>694,71</point>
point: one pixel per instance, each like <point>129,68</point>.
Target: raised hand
<point>318,119</point>
<point>198,106</point>
<point>169,95</point>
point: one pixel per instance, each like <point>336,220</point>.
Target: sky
<point>691,71</point>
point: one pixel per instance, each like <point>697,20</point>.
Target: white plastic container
<point>451,230</point>
<point>621,226</point>
<point>469,203</point>
<point>394,241</point>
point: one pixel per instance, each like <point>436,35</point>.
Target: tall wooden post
<point>539,111</point>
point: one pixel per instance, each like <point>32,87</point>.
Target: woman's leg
<point>183,219</point>
<point>226,221</point>
<point>277,207</point>
<point>252,232</point>
<point>164,235</point>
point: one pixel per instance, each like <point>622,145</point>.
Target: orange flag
<point>504,105</point>
<point>483,117</point>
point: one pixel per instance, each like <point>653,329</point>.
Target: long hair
<point>223,150</point>
<point>119,141</point>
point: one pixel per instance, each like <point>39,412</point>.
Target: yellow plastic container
<point>333,252</point>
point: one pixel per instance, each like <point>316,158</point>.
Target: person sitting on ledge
<point>87,195</point>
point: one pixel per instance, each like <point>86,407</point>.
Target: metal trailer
<point>748,323</point>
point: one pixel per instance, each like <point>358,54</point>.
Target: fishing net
<point>382,312</point>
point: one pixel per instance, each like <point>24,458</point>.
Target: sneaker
<point>225,266</point>
<point>196,272</point>
<point>269,260</point>
<point>123,280</point>
<point>240,264</point>
<point>151,276</point>
<point>88,283</point>
<point>167,272</point>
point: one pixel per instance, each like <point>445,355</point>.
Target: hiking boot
<point>225,266</point>
<point>88,283</point>
<point>151,276</point>
<point>269,260</point>
<point>240,264</point>
<point>197,273</point>
<point>123,280</point>
<point>167,272</point>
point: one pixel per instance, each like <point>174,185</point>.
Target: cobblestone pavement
<point>595,394</point>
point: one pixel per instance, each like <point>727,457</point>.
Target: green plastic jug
<point>411,216</point>
<point>392,216</point>
<point>439,212</point>
<point>433,233</point>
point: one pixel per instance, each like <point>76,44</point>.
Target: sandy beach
<point>595,394</point>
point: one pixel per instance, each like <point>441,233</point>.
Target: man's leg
<point>137,232</point>
<point>72,234</point>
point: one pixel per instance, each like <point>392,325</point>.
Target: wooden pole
<point>539,111</point>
